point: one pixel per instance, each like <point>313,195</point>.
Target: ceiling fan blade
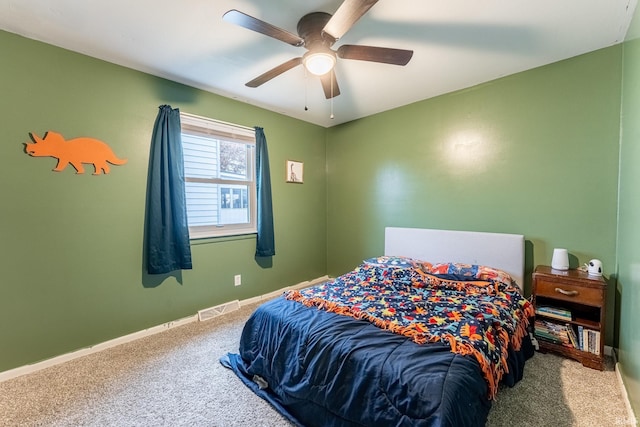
<point>254,24</point>
<point>274,72</point>
<point>375,54</point>
<point>330,84</point>
<point>347,15</point>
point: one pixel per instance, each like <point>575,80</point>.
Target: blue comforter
<point>323,369</point>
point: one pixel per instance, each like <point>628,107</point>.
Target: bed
<point>423,335</point>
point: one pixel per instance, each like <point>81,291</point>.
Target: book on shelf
<point>591,341</point>
<point>587,342</point>
<point>554,312</point>
<point>573,337</point>
<point>580,337</point>
<point>585,339</point>
<point>553,332</point>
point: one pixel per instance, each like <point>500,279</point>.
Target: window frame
<point>222,131</point>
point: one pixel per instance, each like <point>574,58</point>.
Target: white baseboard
<point>279,292</point>
<point>28,369</point>
<point>631,419</point>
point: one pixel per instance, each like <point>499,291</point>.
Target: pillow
<point>398,262</point>
<point>485,273</point>
<point>468,270</point>
<point>482,272</point>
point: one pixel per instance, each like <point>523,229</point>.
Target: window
<point>219,169</point>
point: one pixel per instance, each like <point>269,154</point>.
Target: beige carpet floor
<point>174,379</point>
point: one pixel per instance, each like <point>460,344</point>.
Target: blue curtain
<point>265,243</point>
<point>167,232</point>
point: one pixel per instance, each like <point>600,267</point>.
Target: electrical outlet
<point>237,280</point>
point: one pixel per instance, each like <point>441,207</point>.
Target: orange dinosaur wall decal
<point>74,151</point>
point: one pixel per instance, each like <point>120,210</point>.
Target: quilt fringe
<point>492,374</point>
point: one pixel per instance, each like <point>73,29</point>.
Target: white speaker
<point>560,260</point>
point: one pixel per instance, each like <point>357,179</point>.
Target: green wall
<point>535,153</point>
<point>629,226</point>
<point>71,245</point>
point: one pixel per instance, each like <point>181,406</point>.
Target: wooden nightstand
<point>583,296</point>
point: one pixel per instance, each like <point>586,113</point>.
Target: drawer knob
<point>567,293</point>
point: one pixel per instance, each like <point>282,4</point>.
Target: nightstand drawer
<point>568,292</point>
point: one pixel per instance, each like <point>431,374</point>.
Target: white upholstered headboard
<point>503,251</point>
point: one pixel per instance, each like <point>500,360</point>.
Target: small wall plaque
<point>294,171</point>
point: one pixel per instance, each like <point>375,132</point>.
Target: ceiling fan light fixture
<point>319,63</point>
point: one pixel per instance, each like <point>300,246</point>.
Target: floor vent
<point>210,313</point>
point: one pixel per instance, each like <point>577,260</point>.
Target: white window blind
<point>219,166</point>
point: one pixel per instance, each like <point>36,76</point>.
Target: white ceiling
<point>456,44</point>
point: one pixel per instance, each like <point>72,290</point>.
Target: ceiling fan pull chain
<point>331,116</point>
<point>306,82</point>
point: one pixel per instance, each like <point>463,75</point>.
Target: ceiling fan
<point>317,32</point>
